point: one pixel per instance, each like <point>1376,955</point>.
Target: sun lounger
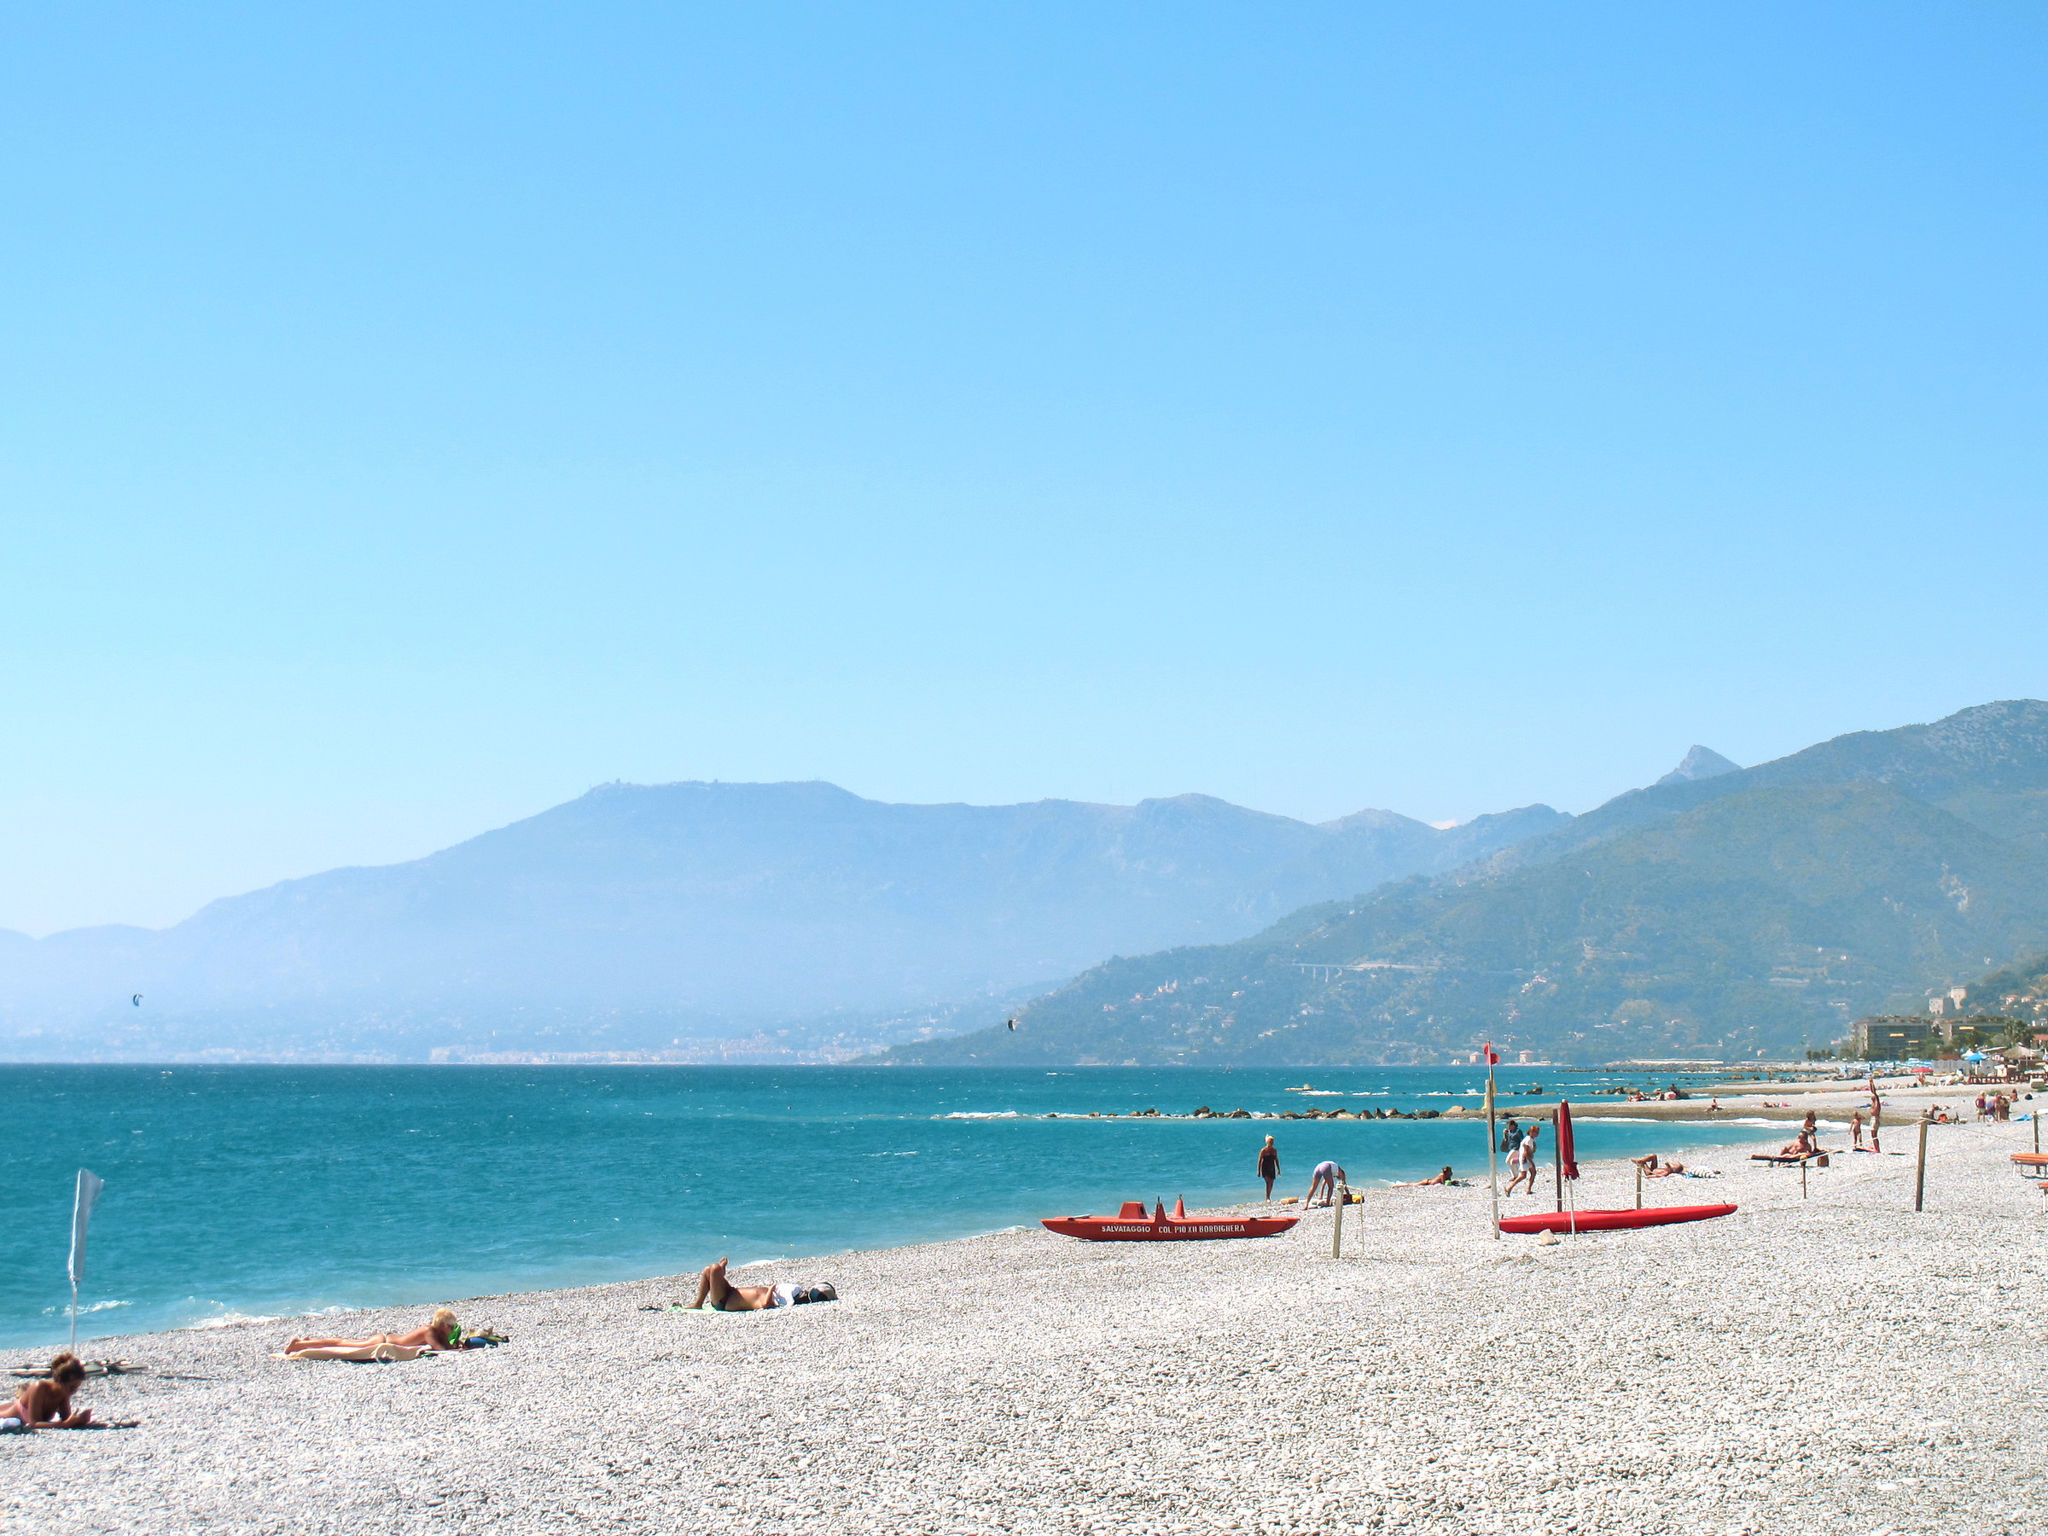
<point>1793,1159</point>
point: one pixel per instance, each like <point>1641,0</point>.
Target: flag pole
<point>1492,1145</point>
<point>89,1186</point>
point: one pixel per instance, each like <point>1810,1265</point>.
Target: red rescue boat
<point>1132,1225</point>
<point>1612,1221</point>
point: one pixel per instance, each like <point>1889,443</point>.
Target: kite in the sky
<point>136,1000</point>
<point>1013,1023</point>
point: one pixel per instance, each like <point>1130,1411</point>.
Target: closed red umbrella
<point>1566,1165</point>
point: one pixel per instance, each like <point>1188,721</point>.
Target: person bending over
<point>714,1290</point>
<point>1803,1147</point>
<point>441,1332</point>
<point>1326,1177</point>
<point>47,1404</point>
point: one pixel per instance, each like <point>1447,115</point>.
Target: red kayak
<point>1132,1225</point>
<point>1612,1221</point>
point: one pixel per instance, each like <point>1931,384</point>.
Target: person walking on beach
<point>1510,1136</point>
<point>1327,1177</point>
<point>1522,1162</point>
<point>1269,1165</point>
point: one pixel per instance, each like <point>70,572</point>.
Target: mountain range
<point>1720,912</point>
<point>701,921</point>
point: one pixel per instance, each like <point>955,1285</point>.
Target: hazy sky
<point>412,415</point>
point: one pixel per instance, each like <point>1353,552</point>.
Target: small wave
<point>97,1306</point>
<point>980,1114</point>
<point>892,1154</point>
<point>1318,1093</point>
<point>233,1320</point>
<point>1374,1093</point>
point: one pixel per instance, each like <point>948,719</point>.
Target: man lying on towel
<point>718,1294</point>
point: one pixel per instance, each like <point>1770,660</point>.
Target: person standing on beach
<point>1876,1112</point>
<point>1856,1129</point>
<point>1269,1165</point>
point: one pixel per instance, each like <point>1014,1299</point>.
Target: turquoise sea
<point>236,1192</point>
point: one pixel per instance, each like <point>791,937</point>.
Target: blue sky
<point>413,415</point>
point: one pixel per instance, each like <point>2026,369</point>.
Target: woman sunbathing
<point>715,1291</point>
<point>441,1332</point>
<point>1442,1178</point>
<point>47,1404</point>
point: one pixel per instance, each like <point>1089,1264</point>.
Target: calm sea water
<point>237,1192</point>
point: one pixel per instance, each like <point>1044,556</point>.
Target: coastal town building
<point>1890,1038</point>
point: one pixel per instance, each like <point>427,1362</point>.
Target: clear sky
<point>412,415</point>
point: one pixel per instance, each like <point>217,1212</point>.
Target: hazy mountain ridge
<point>1750,909</point>
<point>637,917</point>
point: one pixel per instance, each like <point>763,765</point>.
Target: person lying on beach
<point>441,1332</point>
<point>1442,1178</point>
<point>1803,1147</point>
<point>1669,1169</point>
<point>47,1404</point>
<point>720,1294</point>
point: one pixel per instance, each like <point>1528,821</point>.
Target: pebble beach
<point>1833,1362</point>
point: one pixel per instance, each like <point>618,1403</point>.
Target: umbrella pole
<point>74,1317</point>
<point>1493,1153</point>
<point>1557,1157</point>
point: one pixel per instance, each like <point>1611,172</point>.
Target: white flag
<point>89,1186</point>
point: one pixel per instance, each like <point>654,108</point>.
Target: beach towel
<point>380,1354</point>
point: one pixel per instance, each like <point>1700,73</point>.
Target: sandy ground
<point>1836,1364</point>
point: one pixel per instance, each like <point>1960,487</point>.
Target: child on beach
<point>1856,1129</point>
<point>47,1404</point>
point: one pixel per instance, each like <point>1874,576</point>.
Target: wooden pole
<point>2036,1118</point>
<point>1493,1152</point>
<point>1337,1226</point>
<point>1639,1186</point>
<point>1920,1170</point>
<point>1802,1178</point>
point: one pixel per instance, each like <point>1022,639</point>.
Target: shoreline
<point>1791,1366</point>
